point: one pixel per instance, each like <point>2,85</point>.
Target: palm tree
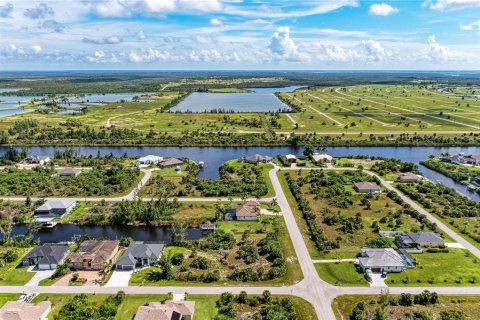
<point>273,205</point>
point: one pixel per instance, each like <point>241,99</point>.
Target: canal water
<point>214,157</point>
<point>65,232</point>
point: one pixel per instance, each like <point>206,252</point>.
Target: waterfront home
<point>19,310</point>
<point>476,181</point>
<point>46,257</point>
<point>94,255</point>
<point>69,172</point>
<point>257,158</point>
<point>140,254</point>
<point>248,211</point>
<point>367,187</point>
<point>41,160</point>
<point>170,310</point>
<point>409,177</point>
<point>420,239</point>
<point>381,260</point>
<point>318,158</point>
<point>170,162</point>
<point>55,208</point>
<point>462,159</point>
<point>291,158</point>
<point>149,160</point>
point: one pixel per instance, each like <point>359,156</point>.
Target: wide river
<point>214,157</point>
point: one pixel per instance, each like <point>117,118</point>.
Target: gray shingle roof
<point>56,204</point>
<point>52,254</point>
<point>151,250</point>
<point>424,237</point>
<point>372,257</point>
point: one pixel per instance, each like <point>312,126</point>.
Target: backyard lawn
<point>343,274</point>
<point>12,274</point>
<point>455,268</point>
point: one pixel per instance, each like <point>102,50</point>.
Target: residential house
<point>257,158</point>
<point>41,160</point>
<point>55,208</point>
<point>149,160</point>
<point>46,257</point>
<point>16,310</point>
<point>170,162</point>
<point>476,181</point>
<point>381,260</point>
<point>420,239</point>
<point>94,254</point>
<point>140,254</point>
<point>409,177</point>
<point>170,310</point>
<point>248,211</point>
<point>69,172</point>
<point>291,158</point>
<point>322,158</point>
<point>367,187</point>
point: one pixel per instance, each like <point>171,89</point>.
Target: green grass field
<point>455,268</point>
<point>469,305</point>
<point>12,274</point>
<point>343,274</point>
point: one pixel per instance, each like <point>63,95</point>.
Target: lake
<point>108,97</point>
<point>12,112</point>
<point>65,232</point>
<point>260,100</point>
<point>214,157</point>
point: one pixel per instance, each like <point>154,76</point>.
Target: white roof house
<point>14,310</point>
<point>55,208</point>
<point>150,159</point>
<point>317,157</point>
<point>381,260</point>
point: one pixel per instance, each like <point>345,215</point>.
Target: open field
<point>341,274</point>
<point>468,305</point>
<point>347,219</point>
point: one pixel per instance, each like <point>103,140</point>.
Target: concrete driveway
<point>39,276</point>
<point>119,278</point>
<point>377,280</point>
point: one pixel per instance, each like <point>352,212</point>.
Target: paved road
<point>313,289</point>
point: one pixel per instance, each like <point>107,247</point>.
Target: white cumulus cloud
<point>41,11</point>
<point>106,40</point>
<point>140,35</point>
<point>216,22</point>
<point>445,5</point>
<point>36,49</point>
<point>5,10</point>
<point>382,9</point>
<point>282,46</point>
<point>471,26</point>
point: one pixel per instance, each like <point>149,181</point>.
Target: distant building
<point>257,158</point>
<point>170,162</point>
<point>16,310</point>
<point>420,239</point>
<point>94,254</point>
<point>41,160</point>
<point>46,257</point>
<point>149,160</point>
<point>367,187</point>
<point>462,159</point>
<point>291,158</point>
<point>322,158</point>
<point>69,172</point>
<point>140,254</point>
<point>170,310</point>
<point>381,260</point>
<point>55,208</point>
<point>409,177</point>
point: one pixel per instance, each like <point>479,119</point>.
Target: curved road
<point>313,289</point>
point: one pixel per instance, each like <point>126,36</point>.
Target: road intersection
<point>312,288</point>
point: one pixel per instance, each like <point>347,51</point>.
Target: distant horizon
<point>247,35</point>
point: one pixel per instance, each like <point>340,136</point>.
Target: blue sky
<point>240,34</point>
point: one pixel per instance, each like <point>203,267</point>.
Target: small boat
<point>471,188</point>
<point>201,164</point>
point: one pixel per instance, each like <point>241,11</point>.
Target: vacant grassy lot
<point>469,305</point>
<point>345,216</point>
<point>228,261</point>
<point>455,268</point>
<point>13,274</point>
<point>343,274</point>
